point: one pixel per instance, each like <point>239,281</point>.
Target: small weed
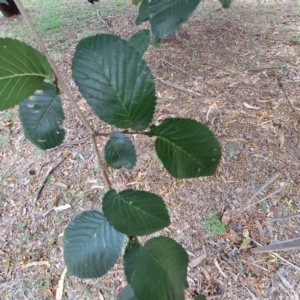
<point>86,292</point>
<point>44,282</point>
<point>213,225</point>
<point>4,141</point>
<point>230,150</point>
<point>279,64</point>
<point>296,40</point>
<point>263,206</point>
<point>82,196</point>
<point>246,242</point>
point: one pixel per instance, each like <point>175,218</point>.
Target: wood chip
<point>219,268</point>
<point>62,207</point>
<point>225,218</point>
<point>195,262</point>
<point>36,263</point>
<point>250,106</point>
<point>281,140</point>
<point>206,274</point>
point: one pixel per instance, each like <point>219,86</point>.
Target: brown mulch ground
<point>241,68</point>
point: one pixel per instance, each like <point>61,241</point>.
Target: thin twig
<point>266,184</point>
<point>105,134</point>
<point>178,87</point>
<point>290,244</point>
<point>43,183</point>
<point>292,130</point>
<point>296,109</point>
<point>265,198</point>
<point>72,143</point>
<point>64,87</point>
<point>102,166</point>
<point>183,71</point>
<point>282,218</point>
<point>102,21</point>
<point>194,77</point>
<point>52,64</point>
<point>277,255</point>
<point>219,268</point>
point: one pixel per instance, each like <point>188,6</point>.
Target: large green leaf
<point>22,71</point>
<point>167,16</point>
<point>141,40</point>
<point>144,12</point>
<point>126,294</point>
<point>119,151</point>
<point>225,3</point>
<point>42,116</point>
<point>3,1</point>
<point>157,270</point>
<point>136,2</point>
<point>200,297</point>
<point>186,147</point>
<point>115,81</point>
<point>91,245</point>
<point>135,212</point>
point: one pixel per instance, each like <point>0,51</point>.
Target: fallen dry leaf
<point>225,218</point>
<point>60,288</point>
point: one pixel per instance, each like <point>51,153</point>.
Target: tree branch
<point>60,81</point>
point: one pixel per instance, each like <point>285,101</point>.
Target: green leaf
<point>135,212</point>
<point>157,270</point>
<point>186,147</point>
<point>200,297</point>
<point>115,81</point>
<point>3,1</point>
<point>136,2</point>
<point>225,3</point>
<point>91,245</point>
<point>141,40</point>
<point>119,151</point>
<point>156,43</point>
<point>126,293</point>
<point>167,16</point>
<point>22,71</point>
<point>42,117</point>
<point>144,12</point>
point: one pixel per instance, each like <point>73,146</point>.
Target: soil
<point>238,72</point>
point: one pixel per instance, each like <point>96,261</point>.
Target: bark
<point>9,10</point>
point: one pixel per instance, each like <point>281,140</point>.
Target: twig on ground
<point>178,87</point>
<point>291,244</point>
<point>265,198</point>
<point>182,70</point>
<point>43,183</point>
<point>219,268</point>
<point>282,218</point>
<point>195,77</point>
<point>59,291</point>
<point>296,109</point>
<point>292,130</point>
<point>244,206</point>
<point>277,255</point>
<point>102,21</point>
<point>209,110</point>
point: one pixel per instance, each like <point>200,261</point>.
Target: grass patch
<point>62,23</point>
